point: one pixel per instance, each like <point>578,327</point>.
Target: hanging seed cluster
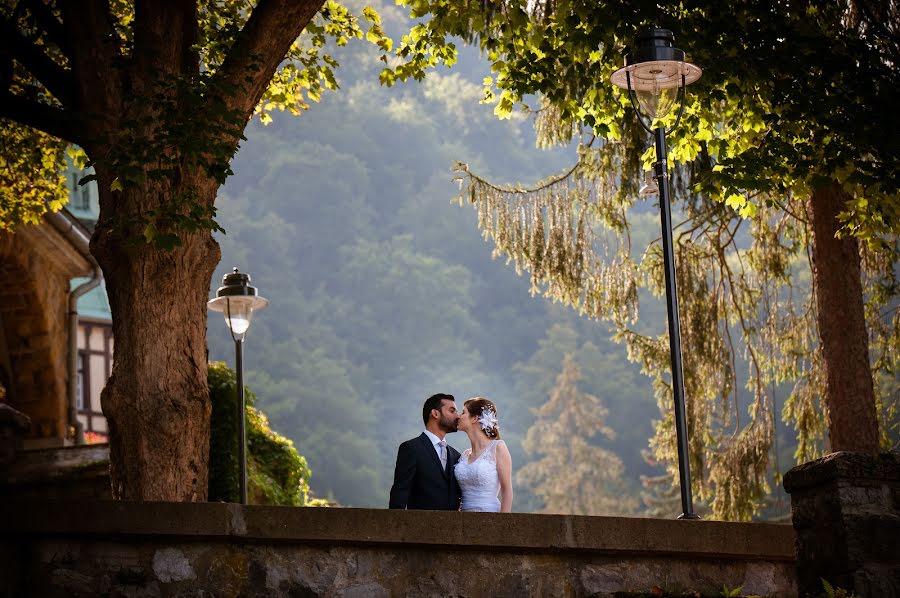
<point>546,231</point>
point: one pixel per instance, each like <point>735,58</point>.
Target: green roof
<point>94,303</point>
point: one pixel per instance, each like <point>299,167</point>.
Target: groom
<point>423,476</point>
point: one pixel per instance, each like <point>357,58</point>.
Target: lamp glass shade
<point>650,186</point>
<point>240,308</point>
<point>656,103</point>
<point>237,315</point>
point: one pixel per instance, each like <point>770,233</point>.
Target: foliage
<point>753,132</point>
<point>832,592</point>
<point>30,177</point>
<point>183,124</point>
<point>390,296</point>
<point>571,475</point>
<point>277,473</point>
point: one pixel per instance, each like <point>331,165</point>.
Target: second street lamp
<point>655,75</point>
<point>237,300</point>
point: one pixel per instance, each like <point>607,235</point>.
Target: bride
<point>484,470</point>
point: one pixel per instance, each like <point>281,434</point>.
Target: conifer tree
<point>572,475</point>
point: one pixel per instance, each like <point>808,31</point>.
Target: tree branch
<point>48,119</point>
<point>96,64</point>
<point>258,50</point>
<point>53,77</point>
<point>44,17</point>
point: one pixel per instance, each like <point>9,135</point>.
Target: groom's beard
<point>448,425</point>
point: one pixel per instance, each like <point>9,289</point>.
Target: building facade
<point>95,340</point>
<point>37,263</point>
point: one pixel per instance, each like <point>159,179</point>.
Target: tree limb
<point>43,117</point>
<point>43,15</point>
<point>57,80</point>
<point>258,50</point>
<point>96,63</point>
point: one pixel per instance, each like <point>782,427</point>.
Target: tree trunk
<point>852,421</point>
<point>157,399</point>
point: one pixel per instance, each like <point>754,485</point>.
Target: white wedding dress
<point>478,480</point>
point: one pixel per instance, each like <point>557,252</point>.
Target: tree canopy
<point>762,132</point>
<point>792,94</point>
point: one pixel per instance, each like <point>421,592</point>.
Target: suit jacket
<point>419,482</point>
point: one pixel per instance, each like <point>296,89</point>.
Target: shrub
<point>276,473</point>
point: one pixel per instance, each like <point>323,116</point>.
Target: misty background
<point>383,293</point>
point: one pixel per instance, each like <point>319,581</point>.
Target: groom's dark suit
<point>419,482</point>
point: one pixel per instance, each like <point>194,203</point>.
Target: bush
<point>276,473</point>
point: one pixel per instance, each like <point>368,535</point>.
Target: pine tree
<point>572,475</point>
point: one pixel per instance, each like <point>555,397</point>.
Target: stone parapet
<point>167,549</point>
<point>846,513</point>
<point>72,472</point>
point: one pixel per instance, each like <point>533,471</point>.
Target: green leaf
<point>149,232</point>
<point>735,201</point>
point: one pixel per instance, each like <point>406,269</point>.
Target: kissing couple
<point>430,474</point>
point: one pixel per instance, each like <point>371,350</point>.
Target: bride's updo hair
<point>476,406</point>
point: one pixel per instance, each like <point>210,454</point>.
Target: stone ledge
<point>49,465</point>
<point>359,527</point>
<point>858,467</point>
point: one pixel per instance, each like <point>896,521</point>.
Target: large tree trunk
<point>132,109</point>
<point>852,421</point>
<point>157,399</point>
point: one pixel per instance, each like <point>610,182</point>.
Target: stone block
<point>847,523</point>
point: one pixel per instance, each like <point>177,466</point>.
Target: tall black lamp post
<point>655,75</point>
<point>237,300</point>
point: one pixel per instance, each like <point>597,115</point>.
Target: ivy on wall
<point>276,473</point>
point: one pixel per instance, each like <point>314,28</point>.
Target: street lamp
<point>655,75</point>
<point>237,300</point>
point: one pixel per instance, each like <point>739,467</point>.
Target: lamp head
<point>655,70</point>
<point>237,300</point>
<point>650,186</point>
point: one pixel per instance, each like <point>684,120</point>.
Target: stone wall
<point>71,472</point>
<point>178,549</point>
<point>846,513</point>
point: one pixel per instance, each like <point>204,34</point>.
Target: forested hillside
<point>383,293</point>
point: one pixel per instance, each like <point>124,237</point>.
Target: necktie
<point>442,453</point>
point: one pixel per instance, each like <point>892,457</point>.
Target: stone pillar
<point>846,514</point>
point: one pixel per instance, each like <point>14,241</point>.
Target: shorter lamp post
<point>655,75</point>
<point>237,300</point>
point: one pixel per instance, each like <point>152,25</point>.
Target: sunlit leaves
<point>772,110</point>
<point>188,131</point>
<point>31,181</point>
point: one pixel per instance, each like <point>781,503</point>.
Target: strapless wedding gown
<point>479,481</point>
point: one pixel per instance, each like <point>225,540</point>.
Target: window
<point>83,382</point>
<point>85,198</point>
<point>79,386</point>
<point>80,194</point>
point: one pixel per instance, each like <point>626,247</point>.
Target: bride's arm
<point>504,470</point>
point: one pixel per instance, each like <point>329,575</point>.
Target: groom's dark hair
<point>434,402</point>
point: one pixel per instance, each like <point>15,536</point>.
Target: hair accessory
<point>488,419</point>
